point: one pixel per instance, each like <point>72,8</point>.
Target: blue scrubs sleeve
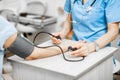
<point>113,11</point>
<point>6,30</point>
<point>67,6</point>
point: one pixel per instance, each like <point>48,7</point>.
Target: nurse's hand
<point>55,40</point>
<point>83,48</point>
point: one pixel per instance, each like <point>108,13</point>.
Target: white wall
<point>51,4</point>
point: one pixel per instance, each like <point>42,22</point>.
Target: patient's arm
<point>51,51</point>
<point>39,52</point>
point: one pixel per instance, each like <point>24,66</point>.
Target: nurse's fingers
<point>57,34</point>
<point>56,41</point>
<point>81,52</point>
<point>78,44</point>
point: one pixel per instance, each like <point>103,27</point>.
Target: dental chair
<point>35,8</point>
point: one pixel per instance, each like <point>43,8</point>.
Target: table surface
<point>73,69</point>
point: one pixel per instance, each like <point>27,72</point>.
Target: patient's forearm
<point>47,52</point>
<point>39,52</point>
<point>42,53</point>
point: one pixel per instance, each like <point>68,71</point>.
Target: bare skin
<point>39,52</point>
<point>84,48</point>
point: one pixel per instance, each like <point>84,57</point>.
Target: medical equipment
<point>35,15</point>
<point>21,46</point>
<point>74,59</point>
<point>70,48</point>
<point>58,37</point>
<point>37,21</point>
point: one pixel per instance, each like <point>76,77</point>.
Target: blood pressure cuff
<point>21,46</point>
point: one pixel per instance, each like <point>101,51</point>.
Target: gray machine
<point>35,15</point>
<point>31,19</point>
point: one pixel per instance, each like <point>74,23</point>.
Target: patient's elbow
<point>35,54</point>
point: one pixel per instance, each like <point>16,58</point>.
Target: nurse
<point>94,24</point>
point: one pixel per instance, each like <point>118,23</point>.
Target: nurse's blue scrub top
<point>91,25</point>
<point>6,30</point>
